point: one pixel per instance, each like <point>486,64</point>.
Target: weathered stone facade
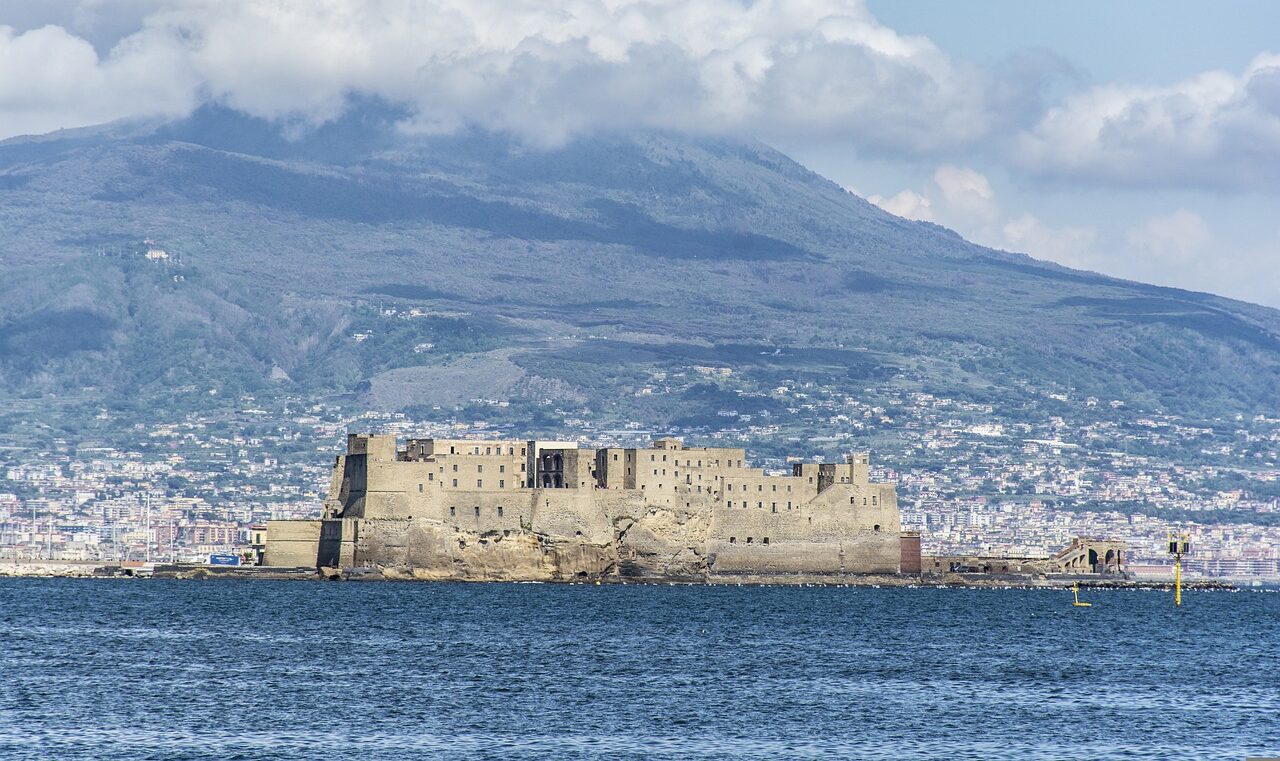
<point>528,510</point>
<point>1083,556</point>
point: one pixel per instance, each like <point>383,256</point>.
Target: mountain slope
<point>576,273</point>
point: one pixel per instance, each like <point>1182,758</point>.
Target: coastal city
<point>972,479</point>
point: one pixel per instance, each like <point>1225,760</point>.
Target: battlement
<point>729,516</point>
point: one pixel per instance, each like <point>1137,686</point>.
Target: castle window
<point>479,468</point>
<point>653,458</point>
<point>453,511</point>
<point>615,456</point>
<point>759,487</point>
<point>431,476</point>
<point>477,510</point>
<point>864,501</point>
<point>499,511</point>
<point>775,487</point>
<point>502,483</point>
<point>475,450</point>
<point>455,467</point>
<point>506,532</point>
<point>876,527</point>
<point>748,540</point>
<point>522,451</point>
<point>788,505</point>
<point>487,450</point>
<point>852,500</point>
<point>759,504</point>
<point>521,467</point>
<point>733,540</point>
<point>502,468</point>
<point>419,488</point>
<point>873,499</point>
<point>451,451</point>
<point>479,483</point>
<point>765,540</point>
<point>455,482</point>
<point>775,507</point>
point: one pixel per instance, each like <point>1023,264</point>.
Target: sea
<point>159,669</point>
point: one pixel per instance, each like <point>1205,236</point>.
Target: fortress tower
<point>513,509</point>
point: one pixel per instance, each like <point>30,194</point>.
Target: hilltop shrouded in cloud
<point>542,71</point>
<point>824,75</point>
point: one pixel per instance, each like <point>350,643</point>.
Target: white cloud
<point>962,198</point>
<point>1216,129</point>
<point>1072,246</point>
<point>959,197</point>
<point>968,194</point>
<point>1177,238</point>
<point>907,204</point>
<point>51,79</point>
<point>813,69</point>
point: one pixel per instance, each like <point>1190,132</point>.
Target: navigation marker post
<point>1179,545</point>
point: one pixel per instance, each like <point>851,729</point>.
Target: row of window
<point>774,505</point>
<point>489,450</point>
<point>734,540</point>
<point>854,500</point>
<point>502,483</point>
<point>689,463</point>
<point>759,487</point>
<point>453,511</point>
<point>480,468</point>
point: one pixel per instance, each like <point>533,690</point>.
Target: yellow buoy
<point>1075,592</point>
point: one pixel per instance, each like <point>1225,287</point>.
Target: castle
<point>537,510</point>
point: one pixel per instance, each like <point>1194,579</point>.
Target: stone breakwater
<point>87,570</point>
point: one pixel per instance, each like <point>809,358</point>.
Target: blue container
<point>224,558</point>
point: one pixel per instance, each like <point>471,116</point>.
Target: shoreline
<point>98,570</point>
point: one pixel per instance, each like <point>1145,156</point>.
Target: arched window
<point>877,527</point>
<point>765,540</point>
<point>453,511</point>
<point>477,509</point>
<point>499,511</point>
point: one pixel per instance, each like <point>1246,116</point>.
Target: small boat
<point>1075,592</point>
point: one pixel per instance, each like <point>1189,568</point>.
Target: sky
<point>1139,139</point>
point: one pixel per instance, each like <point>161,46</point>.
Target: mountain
<point>409,272</point>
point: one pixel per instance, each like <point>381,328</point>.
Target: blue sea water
<point>105,669</point>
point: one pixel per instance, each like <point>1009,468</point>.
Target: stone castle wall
<point>664,512</point>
